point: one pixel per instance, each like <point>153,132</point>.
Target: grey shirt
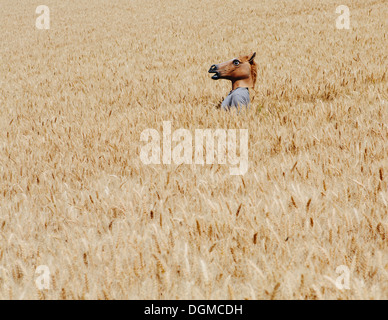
<point>237,97</point>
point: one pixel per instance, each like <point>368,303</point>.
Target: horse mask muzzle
<point>214,69</point>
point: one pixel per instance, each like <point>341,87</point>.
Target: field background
<point>75,196</point>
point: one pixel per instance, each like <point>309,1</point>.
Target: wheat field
<point>75,196</point>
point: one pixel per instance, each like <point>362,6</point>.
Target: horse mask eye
<point>236,62</point>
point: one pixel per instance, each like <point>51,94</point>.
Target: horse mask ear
<point>252,58</point>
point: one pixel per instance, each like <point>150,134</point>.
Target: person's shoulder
<point>241,96</point>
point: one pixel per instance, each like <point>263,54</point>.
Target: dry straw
<point>75,196</point>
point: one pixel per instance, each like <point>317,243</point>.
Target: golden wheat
<point>74,195</point>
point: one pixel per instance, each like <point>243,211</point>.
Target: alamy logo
<point>343,21</point>
<point>182,153</point>
<point>342,282</point>
<point>43,280</point>
<point>43,21</point>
